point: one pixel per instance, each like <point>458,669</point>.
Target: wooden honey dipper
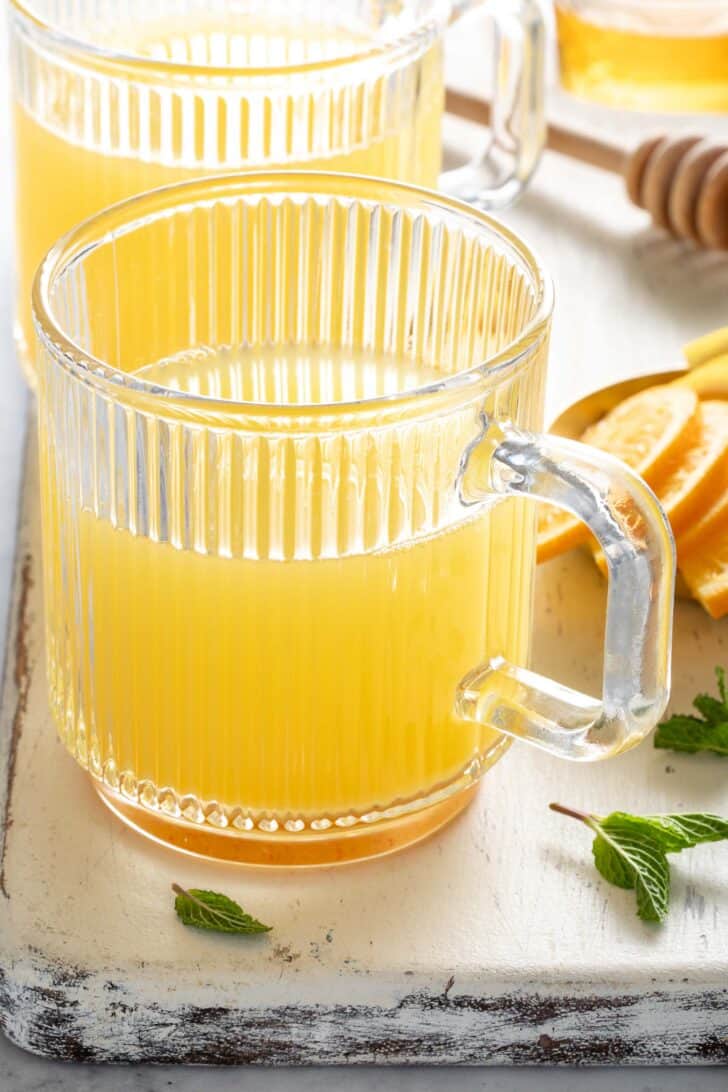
<point>681,181</point>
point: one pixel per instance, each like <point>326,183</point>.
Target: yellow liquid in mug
<point>642,71</point>
<point>301,687</point>
<point>84,144</point>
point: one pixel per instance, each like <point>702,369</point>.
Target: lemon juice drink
<point>272,553</point>
<point>127,106</point>
<point>289,454</point>
<point>315,677</point>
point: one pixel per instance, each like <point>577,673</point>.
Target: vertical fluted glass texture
<point>259,611</point>
<point>115,97</point>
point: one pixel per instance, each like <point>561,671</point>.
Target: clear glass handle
<point>496,177</point>
<point>632,529</point>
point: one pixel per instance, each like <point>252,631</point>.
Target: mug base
<point>290,850</point>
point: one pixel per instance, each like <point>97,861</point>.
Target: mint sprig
<point>213,911</point>
<point>708,732</point>
<point>630,851</point>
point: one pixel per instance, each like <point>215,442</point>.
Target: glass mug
<point>646,54</point>
<point>113,98</point>
<point>287,466</point>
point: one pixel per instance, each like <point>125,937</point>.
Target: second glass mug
<point>288,456</point>
<point>112,99</point>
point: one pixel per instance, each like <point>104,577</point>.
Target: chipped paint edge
<point>16,668</point>
<point>69,1013</point>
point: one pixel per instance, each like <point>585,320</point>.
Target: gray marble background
<point>20,1072</point>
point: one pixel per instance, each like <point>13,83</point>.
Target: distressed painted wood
<point>493,942</point>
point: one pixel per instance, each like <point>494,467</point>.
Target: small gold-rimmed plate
<point>577,417</point>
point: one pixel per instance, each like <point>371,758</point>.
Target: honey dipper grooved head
<point>683,183</point>
<point>711,214</point>
<point>686,188</point>
<point>659,174</point>
<point>634,168</point>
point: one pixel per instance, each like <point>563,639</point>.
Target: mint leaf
<point>708,732</point>
<point>629,855</point>
<point>691,735</point>
<point>630,851</point>
<point>671,832</point>
<point>210,910</point>
<point>713,711</point>
<point>612,865</point>
<point>677,832</point>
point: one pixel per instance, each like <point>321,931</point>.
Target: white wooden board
<point>493,942</point>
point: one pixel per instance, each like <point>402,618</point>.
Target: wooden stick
<point>682,181</point>
<point>599,153</point>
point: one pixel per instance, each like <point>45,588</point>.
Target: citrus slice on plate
<point>695,475</point>
<point>705,572</point>
<point>709,380</point>
<point>647,429</point>
<point>646,432</point>
<point>714,518</point>
<point>558,531</point>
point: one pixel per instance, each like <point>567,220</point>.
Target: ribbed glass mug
<point>288,464</point>
<point>114,97</point>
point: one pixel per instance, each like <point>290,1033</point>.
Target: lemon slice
<point>645,431</point>
<point>709,380</point>
<point>713,519</point>
<point>557,532</point>
<point>705,572</point>
<point>695,475</point>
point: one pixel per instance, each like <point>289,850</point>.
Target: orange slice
<point>714,518</point>
<point>557,532</point>
<point>696,473</point>
<point>706,574</point>
<point>709,380</point>
<point>645,431</point>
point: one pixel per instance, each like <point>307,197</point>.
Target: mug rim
<point>434,21</point>
<point>128,214</point>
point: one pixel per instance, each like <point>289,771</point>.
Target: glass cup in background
<point>653,55</point>
<point>288,452</point>
<point>113,98</point>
